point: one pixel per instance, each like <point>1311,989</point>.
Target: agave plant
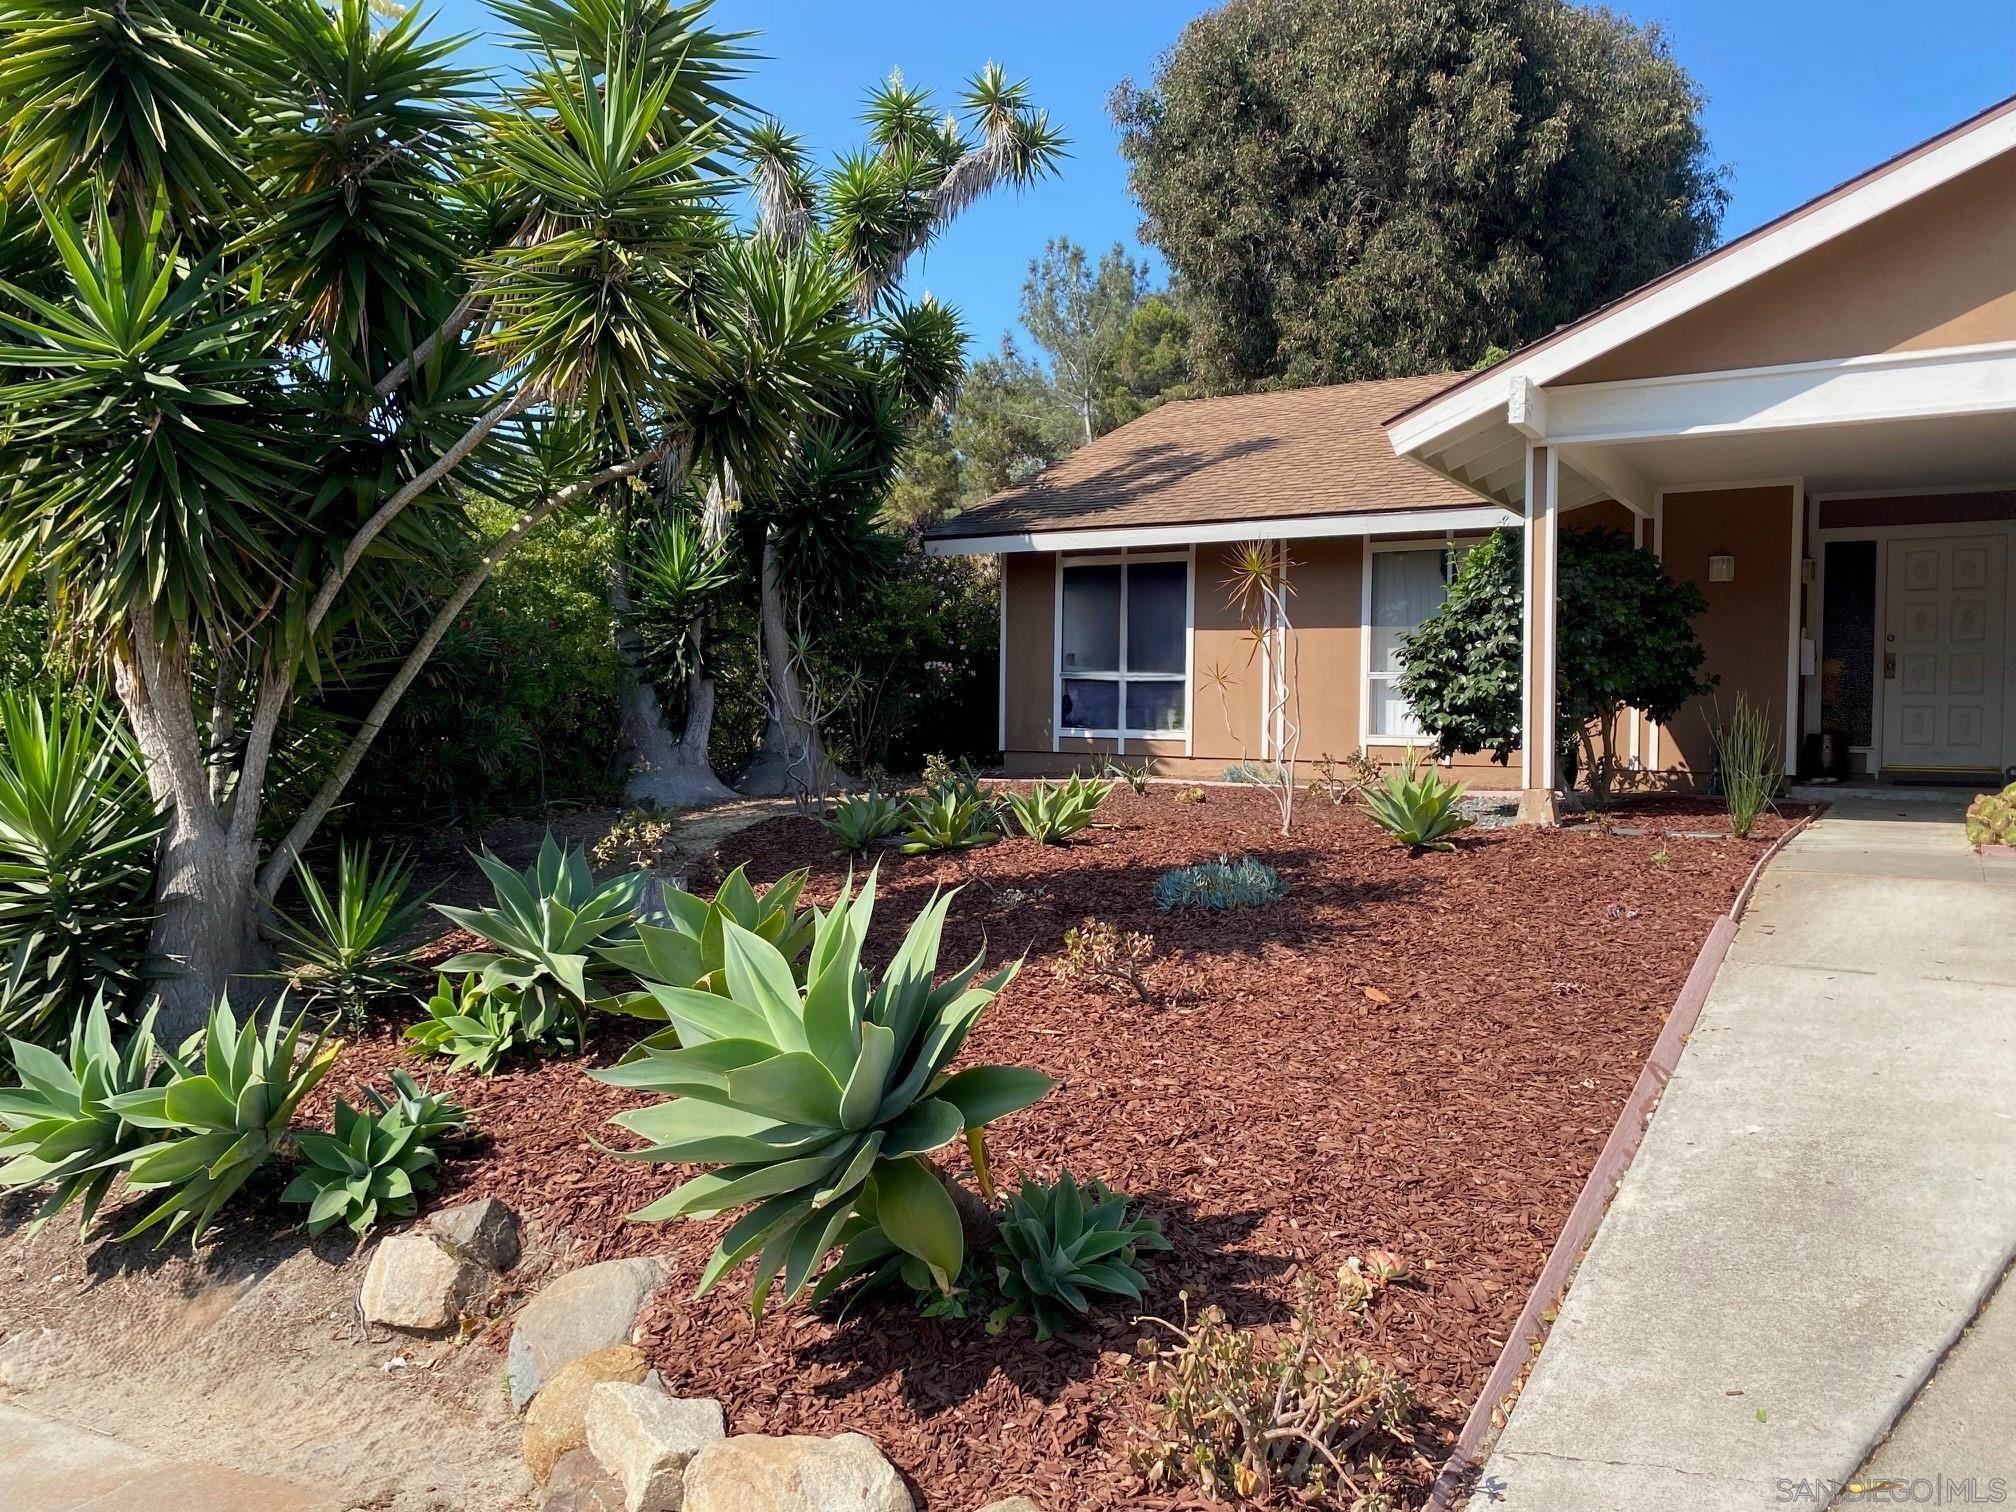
<point>377,1162</point>
<point>947,822</point>
<point>818,1103</point>
<point>62,1127</point>
<point>344,952</point>
<point>1054,811</point>
<point>860,819</point>
<point>77,838</point>
<point>544,928</point>
<point>1418,809</point>
<point>477,1029</point>
<point>1061,1242</point>
<point>220,1120</point>
<point>683,942</point>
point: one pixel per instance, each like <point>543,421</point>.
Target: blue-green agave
<point>818,1102</point>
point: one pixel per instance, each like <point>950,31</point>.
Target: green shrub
<point>860,819</point>
<point>683,942</point>
<point>818,1103</point>
<point>1991,818</point>
<point>1060,1243</point>
<point>544,929</point>
<point>1747,765</point>
<point>220,1118</point>
<point>1417,808</point>
<point>345,953</point>
<point>78,832</point>
<point>1050,812</point>
<point>1222,884</point>
<point>477,1030</point>
<point>947,822</point>
<point>377,1162</point>
<point>62,1124</point>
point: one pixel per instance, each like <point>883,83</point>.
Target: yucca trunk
<point>792,759</point>
<point>666,769</point>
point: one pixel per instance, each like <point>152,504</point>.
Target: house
<point>1815,423</point>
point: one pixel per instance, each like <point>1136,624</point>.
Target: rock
<point>415,1283</point>
<point>1012,1504</point>
<point>585,1310</point>
<point>580,1484</point>
<point>485,1230</point>
<point>558,1420</point>
<point>754,1473</point>
<point>644,1438</point>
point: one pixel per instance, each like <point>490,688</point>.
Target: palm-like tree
<point>276,286</point>
<point>867,216</point>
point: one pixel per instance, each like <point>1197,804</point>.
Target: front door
<point>1943,642</point>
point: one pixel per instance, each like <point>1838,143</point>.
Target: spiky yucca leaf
<point>63,1128</point>
<point>817,1103</point>
<point>345,950</point>
<point>221,1117</point>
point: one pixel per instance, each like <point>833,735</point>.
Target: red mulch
<point>1276,1116</point>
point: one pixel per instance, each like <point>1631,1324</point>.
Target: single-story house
<point>1815,423</point>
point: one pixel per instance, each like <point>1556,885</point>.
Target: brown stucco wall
<point>1934,273</point>
<point>1029,581</point>
<point>1916,509</point>
<point>1748,621</point>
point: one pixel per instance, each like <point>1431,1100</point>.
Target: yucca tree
<point>279,280</point>
<point>814,522</point>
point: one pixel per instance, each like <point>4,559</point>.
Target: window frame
<point>1123,559</point>
<point>1452,550</point>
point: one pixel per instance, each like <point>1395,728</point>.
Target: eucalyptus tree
<point>280,283</point>
<point>867,216</point>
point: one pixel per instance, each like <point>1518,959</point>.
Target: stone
<point>1012,1504</point>
<point>755,1473</point>
<point>585,1310</point>
<point>485,1230</point>
<point>645,1438</point>
<point>415,1283</point>
<point>558,1420</point>
<point>580,1484</point>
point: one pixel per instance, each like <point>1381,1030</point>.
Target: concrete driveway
<point>1823,1202</point>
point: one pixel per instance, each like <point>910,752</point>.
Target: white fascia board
<point>1948,381</point>
<point>1712,277</point>
<point>1457,517</point>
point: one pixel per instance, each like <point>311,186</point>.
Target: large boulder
<point>416,1283</point>
<point>645,1439</point>
<point>755,1473</point>
<point>558,1420</point>
<point>585,1310</point>
<point>485,1230</point>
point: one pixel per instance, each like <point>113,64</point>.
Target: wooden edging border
<point>1590,1205</point>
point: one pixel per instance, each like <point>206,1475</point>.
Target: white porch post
<point>1538,780</point>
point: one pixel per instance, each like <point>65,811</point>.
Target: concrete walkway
<point>48,1466</point>
<point>1823,1201</point>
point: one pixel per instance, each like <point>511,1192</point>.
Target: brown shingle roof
<point>1315,451</point>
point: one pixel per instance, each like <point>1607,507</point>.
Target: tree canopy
<point>1355,189</point>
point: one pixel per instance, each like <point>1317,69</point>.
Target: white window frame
<point>1122,675</point>
<point>1367,736</point>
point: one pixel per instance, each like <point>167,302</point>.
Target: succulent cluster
<point>1051,812</point>
<point>1223,884</point>
<point>1418,808</point>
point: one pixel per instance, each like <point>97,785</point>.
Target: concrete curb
<point>1522,1345</point>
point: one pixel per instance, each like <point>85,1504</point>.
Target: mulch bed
<point>1420,1055</point>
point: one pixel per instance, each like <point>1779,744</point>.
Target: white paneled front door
<point>1945,636</point>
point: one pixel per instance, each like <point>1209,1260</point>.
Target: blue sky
<point>1801,94</point>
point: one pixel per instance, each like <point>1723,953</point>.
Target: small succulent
<point>1060,1243</point>
<point>61,1126</point>
<point>1991,818</point>
<point>860,819</point>
<point>945,822</point>
<point>1418,809</point>
<point>1222,884</point>
<point>221,1117</point>
<point>378,1160</point>
<point>1051,811</point>
<point>477,1028</point>
<point>345,951</point>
